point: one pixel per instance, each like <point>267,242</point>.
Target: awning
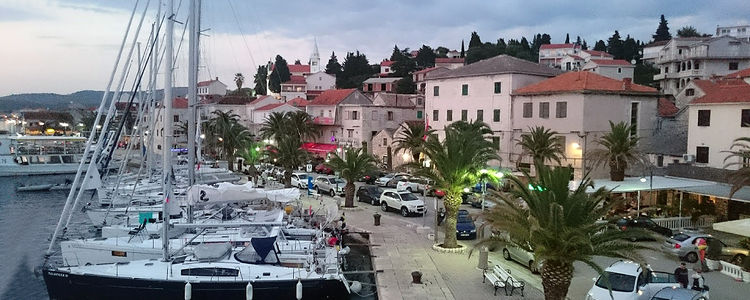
<point>719,190</point>
<point>634,184</point>
<point>319,148</point>
<point>738,227</point>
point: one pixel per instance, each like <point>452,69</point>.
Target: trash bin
<point>376,218</point>
<point>483,258</point>
<point>416,277</point>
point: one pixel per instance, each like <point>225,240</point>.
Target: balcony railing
<point>324,120</point>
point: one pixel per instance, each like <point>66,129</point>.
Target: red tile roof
<point>208,82</point>
<point>260,97</point>
<point>667,108</point>
<point>298,102</point>
<point>598,53</point>
<point>269,106</point>
<point>386,63</point>
<point>299,68</point>
<point>296,79</point>
<point>611,62</point>
<point>558,46</point>
<point>739,74</point>
<point>180,103</point>
<point>723,91</point>
<point>583,81</point>
<point>235,100</point>
<point>425,70</point>
<point>331,97</point>
<point>448,60</point>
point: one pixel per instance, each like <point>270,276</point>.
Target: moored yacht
<point>40,155</point>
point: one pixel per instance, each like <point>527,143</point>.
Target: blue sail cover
<point>263,246</point>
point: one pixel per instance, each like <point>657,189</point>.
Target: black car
<point>369,194</point>
<point>643,223</point>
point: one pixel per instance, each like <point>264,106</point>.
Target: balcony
<point>324,120</point>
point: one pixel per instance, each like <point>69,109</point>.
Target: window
<point>436,90</point>
<point>390,116</point>
<point>528,110</point>
<point>496,115</point>
<point>697,65</point>
<point>480,115</point>
<point>464,89</point>
<point>689,92</point>
<point>634,118</point>
<point>619,70</point>
<point>544,110</point>
<point>369,86</point>
<point>374,115</point>
<point>496,142</point>
<point>419,114</point>
<point>498,87</point>
<point>435,114</point>
<point>701,154</point>
<point>449,115</point>
<point>745,122</point>
<point>704,117</point>
<point>349,133</point>
<point>385,142</point>
<point>355,115</point>
<point>382,86</point>
<point>561,140</point>
<point>210,272</point>
<point>464,115</point>
<point>176,118</point>
<point>561,110</point>
<point>660,161</point>
<point>567,66</point>
<point>734,66</point>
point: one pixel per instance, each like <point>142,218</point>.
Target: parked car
<point>511,251</point>
<point>683,245</point>
<point>370,177</point>
<point>383,181</point>
<point>396,179</point>
<point>644,223</point>
<point>433,192</point>
<point>669,293</point>
<point>370,194</point>
<point>630,282</point>
<point>323,169</point>
<point>299,180</point>
<point>330,184</point>
<point>414,184</point>
<point>465,227</point>
<point>403,201</point>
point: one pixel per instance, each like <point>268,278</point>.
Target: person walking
<point>681,274</point>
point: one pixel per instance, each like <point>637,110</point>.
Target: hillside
<point>80,99</point>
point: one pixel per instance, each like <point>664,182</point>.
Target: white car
<point>630,282</point>
<point>512,251</point>
<point>299,180</point>
<point>383,181</point>
<point>413,184</point>
<point>403,201</point>
<point>329,184</point>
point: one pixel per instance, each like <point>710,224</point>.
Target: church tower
<point>315,58</point>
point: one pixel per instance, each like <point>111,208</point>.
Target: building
<point>260,114</point>
<point>741,32</point>
<point>420,76</point>
<point>552,54</point>
<point>579,106</point>
<point>211,87</point>
<point>453,54</point>
<point>449,63</point>
<point>575,62</point>
<point>481,91</point>
<point>313,66</point>
<point>317,83</point>
<point>716,118</point>
<point>179,117</point>
<point>383,144</point>
<point>613,68</point>
<point>295,87</point>
<point>361,122</point>
<point>326,112</point>
<point>314,60</point>
<point>685,59</point>
<point>651,51</point>
<point>380,85</point>
<point>385,67</point>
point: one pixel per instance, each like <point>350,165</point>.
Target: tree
<point>406,85</point>
<point>261,80</point>
<point>355,70</point>
<point>567,38</point>
<point>600,46</point>
<point>441,51</point>
<point>297,62</point>
<point>584,46</point>
<point>614,45</point>
<point>630,50</point>
<point>475,41</point>
<point>644,74</point>
<point>351,167</point>
<point>662,32</point>
<point>688,31</point>
<point>297,125</point>
<point>251,155</point>
<point>333,67</point>
<point>542,145</point>
<point>403,64</point>
<point>229,133</point>
<point>560,226</point>
<point>279,75</point>
<point>620,149</point>
<point>578,40</point>
<point>239,79</point>
<point>425,57</point>
<point>412,139</point>
<point>740,153</point>
<point>463,52</point>
<point>287,153</point>
<point>456,161</point>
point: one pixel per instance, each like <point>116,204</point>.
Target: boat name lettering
<point>63,275</point>
<point>203,196</point>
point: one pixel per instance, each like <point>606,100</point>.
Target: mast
<point>154,67</point>
<point>192,92</point>
<point>167,124</point>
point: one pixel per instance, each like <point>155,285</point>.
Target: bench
<point>501,278</point>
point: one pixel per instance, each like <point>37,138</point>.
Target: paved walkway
<point>401,245</point>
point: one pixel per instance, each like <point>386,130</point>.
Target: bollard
<point>376,218</point>
<point>483,258</point>
<point>416,277</point>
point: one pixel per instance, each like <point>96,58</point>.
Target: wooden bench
<point>501,278</point>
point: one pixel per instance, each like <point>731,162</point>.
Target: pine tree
<point>475,41</point>
<point>406,86</point>
<point>333,67</point>
<point>567,38</point>
<point>463,52</point>
<point>260,79</point>
<point>403,64</point>
<point>662,33</point>
<point>441,51</point>
<point>297,62</point>
<point>355,70</point>
<point>425,57</point>
<point>584,46</point>
<point>688,31</point>
<point>630,49</point>
<point>600,46</point>
<point>280,74</point>
<point>578,40</point>
<point>614,45</point>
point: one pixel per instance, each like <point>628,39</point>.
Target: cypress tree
<point>662,33</point>
<point>260,79</point>
<point>279,75</point>
<point>567,38</point>
<point>463,52</point>
<point>333,67</point>
<point>475,41</point>
<point>600,46</point>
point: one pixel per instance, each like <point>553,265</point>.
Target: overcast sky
<point>63,46</point>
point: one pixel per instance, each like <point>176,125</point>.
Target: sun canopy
<point>719,190</point>
<point>201,194</point>
<point>634,184</point>
<point>738,227</point>
<point>318,148</point>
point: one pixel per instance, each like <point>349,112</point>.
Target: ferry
<point>40,155</point>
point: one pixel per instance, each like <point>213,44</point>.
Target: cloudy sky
<point>63,46</point>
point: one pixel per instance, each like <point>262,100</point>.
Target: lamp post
<point>650,190</point>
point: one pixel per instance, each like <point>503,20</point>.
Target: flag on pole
<point>426,127</point>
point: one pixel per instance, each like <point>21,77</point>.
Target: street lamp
<point>65,127</point>
<point>650,190</point>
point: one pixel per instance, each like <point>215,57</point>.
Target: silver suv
<point>330,184</point>
<point>683,245</point>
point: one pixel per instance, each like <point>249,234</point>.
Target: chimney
<point>626,83</point>
<point>217,78</point>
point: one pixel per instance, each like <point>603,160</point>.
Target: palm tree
<point>542,145</point>
<point>352,166</point>
<point>239,79</point>
<point>412,138</point>
<point>740,150</point>
<point>229,134</point>
<point>273,126</point>
<point>560,226</point>
<point>620,150</point>
<point>297,124</point>
<point>456,161</point>
<point>251,155</point>
<point>287,153</point>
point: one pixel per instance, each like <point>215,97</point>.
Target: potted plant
<point>713,254</point>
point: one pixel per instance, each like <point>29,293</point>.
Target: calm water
<point>27,220</point>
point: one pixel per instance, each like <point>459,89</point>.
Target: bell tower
<point>315,58</point>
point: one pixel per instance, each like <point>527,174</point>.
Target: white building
<point>449,63</point>
<point>363,121</point>
<point>326,111</point>
<point>742,31</point>
<point>551,54</point>
<point>211,87</point>
<point>295,87</point>
<point>319,82</point>
<point>651,51</point>
<point>613,68</point>
<point>385,67</point>
<point>573,62</point>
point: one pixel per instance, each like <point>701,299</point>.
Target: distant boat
<point>40,155</point>
<point>34,188</point>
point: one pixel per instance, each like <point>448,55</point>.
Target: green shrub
<point>744,243</point>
